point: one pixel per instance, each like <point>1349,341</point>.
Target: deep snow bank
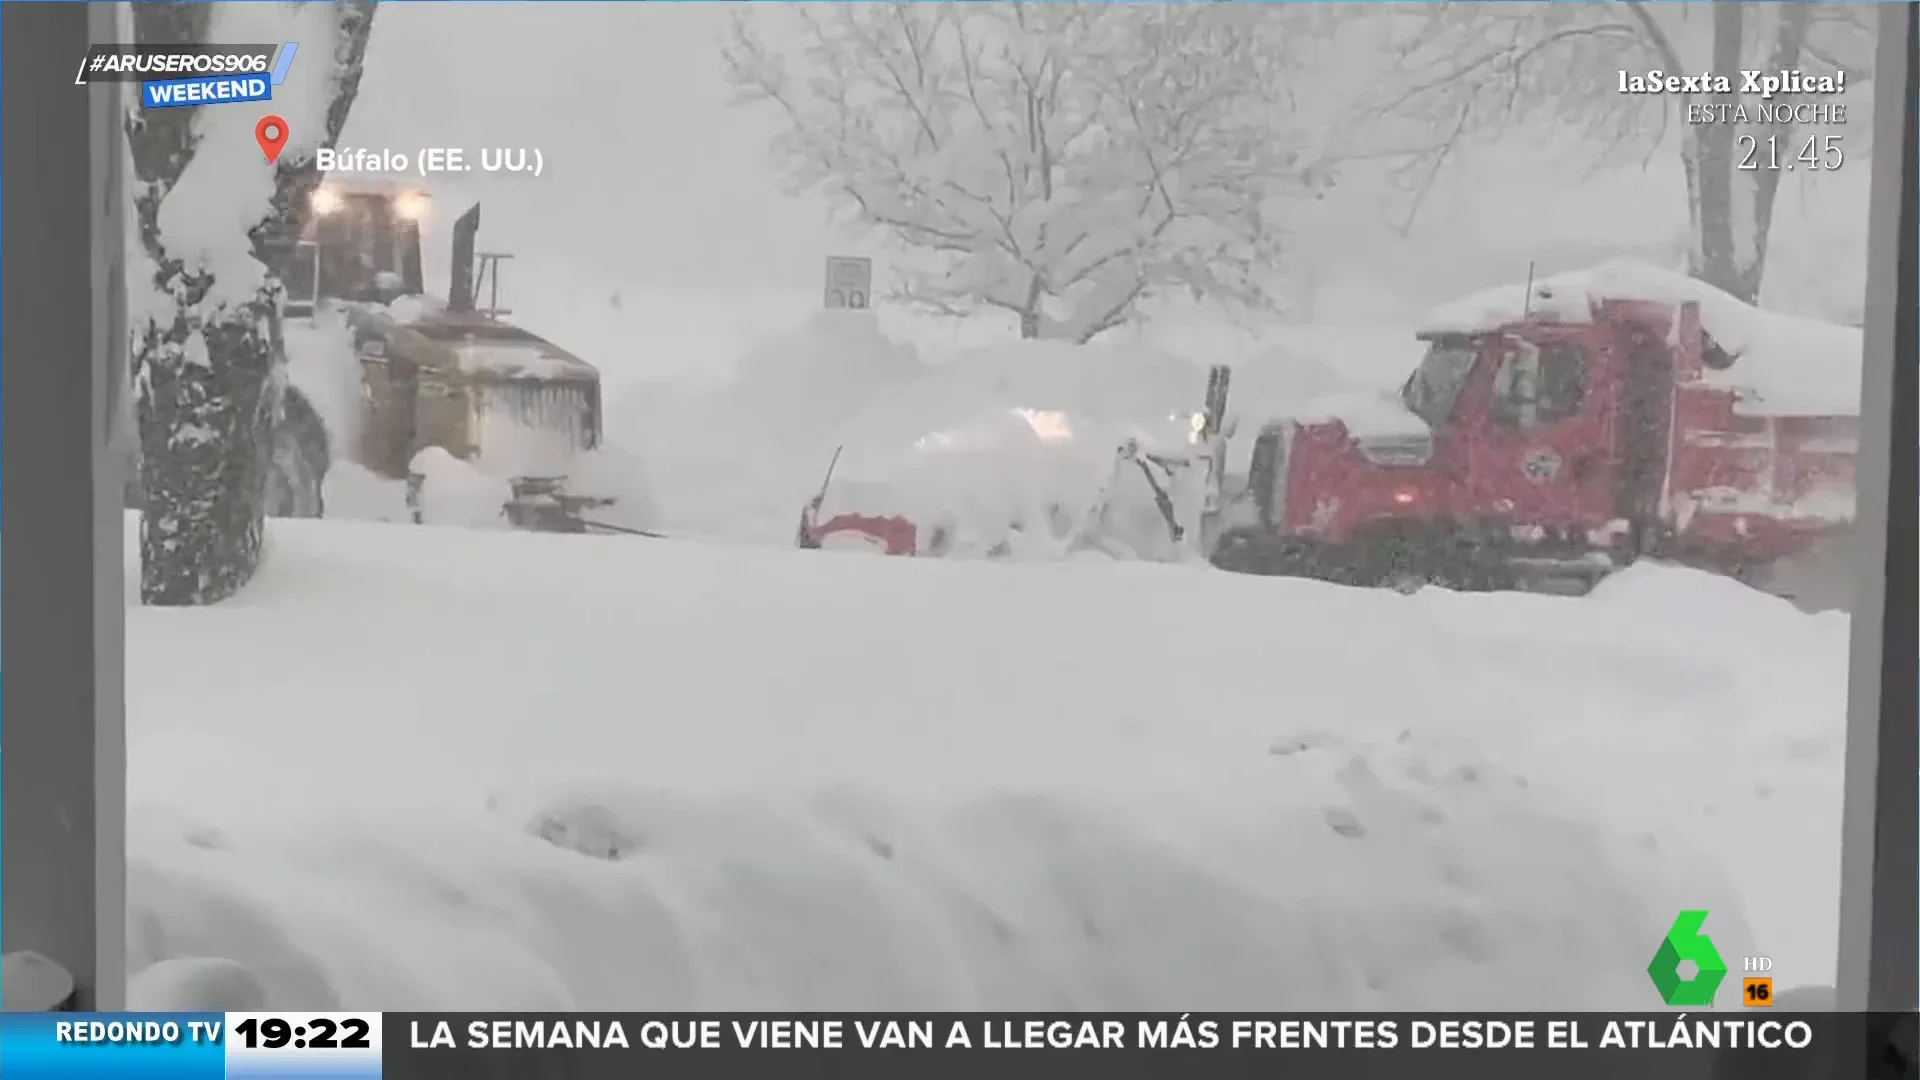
<point>478,769</point>
<point>1014,449</point>
<point>1031,484</point>
<point>740,460</point>
<point>321,364</point>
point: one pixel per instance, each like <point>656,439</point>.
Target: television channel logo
<point>1686,941</point>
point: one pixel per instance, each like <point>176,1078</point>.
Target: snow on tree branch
<point>226,191</point>
<point>213,217</point>
<point>1060,162</point>
<point>1466,71</point>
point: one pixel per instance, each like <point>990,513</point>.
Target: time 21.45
<point>1775,153</point>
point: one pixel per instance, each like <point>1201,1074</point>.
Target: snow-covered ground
<point>452,768</point>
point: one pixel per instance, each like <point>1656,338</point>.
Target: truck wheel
<point>301,456</point>
<point>1404,561</point>
<point>1474,567</point>
<point>1408,561</point>
<point>1238,553</point>
<point>1234,557</point>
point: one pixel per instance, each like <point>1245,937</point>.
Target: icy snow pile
<point>453,492</point>
<point>321,364</point>
<point>1023,483</point>
<point>739,459</point>
<point>352,492</point>
<point>1009,450</point>
<point>968,484</point>
<point>620,774</point>
<point>1784,363</point>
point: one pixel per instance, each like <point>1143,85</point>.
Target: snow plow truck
<point>1550,435</point>
<point>1555,433</point>
<point>455,376</point>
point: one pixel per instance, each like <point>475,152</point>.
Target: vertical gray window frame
<point>1879,958</point>
<point>63,372</point>
<point>62,784</point>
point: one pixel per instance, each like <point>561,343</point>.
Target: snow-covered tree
<point>214,219</point>
<point>1462,70</point>
<point>1061,162</point>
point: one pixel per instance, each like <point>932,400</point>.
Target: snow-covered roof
<point>1366,416</point>
<point>515,359</point>
<point>1784,364</point>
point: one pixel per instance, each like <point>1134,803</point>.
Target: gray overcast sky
<point>653,180</point>
<point>650,175</point>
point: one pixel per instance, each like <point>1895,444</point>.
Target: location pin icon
<point>271,134</point>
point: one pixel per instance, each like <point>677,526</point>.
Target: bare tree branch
<point>1481,71</point>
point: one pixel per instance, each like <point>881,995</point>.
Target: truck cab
<point>1543,450</point>
<point>359,242</point>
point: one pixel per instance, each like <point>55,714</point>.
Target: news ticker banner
<point>582,1046</point>
<point>175,76</point>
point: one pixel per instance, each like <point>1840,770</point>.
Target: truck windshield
<point>1432,389</point>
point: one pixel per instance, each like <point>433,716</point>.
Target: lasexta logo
<point>1684,942</point>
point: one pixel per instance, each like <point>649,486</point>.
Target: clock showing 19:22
<point>317,1045</point>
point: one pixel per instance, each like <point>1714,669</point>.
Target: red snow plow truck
<point>1553,434</point>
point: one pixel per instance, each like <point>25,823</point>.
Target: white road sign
<point>849,281</point>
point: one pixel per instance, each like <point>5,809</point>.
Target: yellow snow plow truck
<point>452,375</point>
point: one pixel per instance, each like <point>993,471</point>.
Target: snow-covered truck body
<point>1019,483</point>
<point>1605,416</point>
<point>477,388</point>
<point>1029,449</point>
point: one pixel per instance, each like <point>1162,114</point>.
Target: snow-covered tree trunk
<point>1731,178</point>
<point>214,219</point>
